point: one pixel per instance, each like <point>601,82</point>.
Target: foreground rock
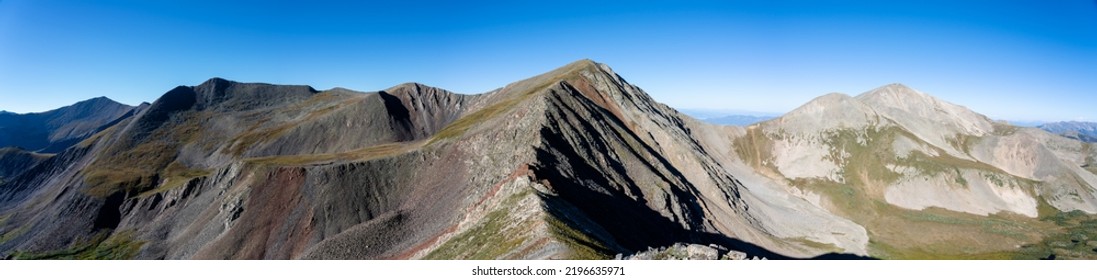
<point>683,251</point>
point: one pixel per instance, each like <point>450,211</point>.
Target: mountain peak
<point>835,96</point>
<point>55,130</point>
<point>98,101</point>
<point>216,80</point>
<point>215,84</point>
<point>897,86</point>
<point>407,86</point>
<point>895,93</point>
<point>88,108</point>
<point>584,62</point>
<point>829,111</point>
<point>580,65</point>
<point>899,97</point>
<point>928,117</point>
<point>825,102</point>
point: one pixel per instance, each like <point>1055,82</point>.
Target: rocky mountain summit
<point>575,163</point>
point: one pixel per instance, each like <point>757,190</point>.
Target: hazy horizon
<point>1021,60</point>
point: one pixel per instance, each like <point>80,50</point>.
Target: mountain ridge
<point>55,130</point>
<point>574,163</point>
<point>547,111</point>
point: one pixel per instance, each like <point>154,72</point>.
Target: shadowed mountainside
<point>14,161</point>
<point>55,130</point>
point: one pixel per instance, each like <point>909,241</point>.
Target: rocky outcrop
<point>682,251</point>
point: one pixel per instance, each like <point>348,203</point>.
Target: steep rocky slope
<point>56,130</point>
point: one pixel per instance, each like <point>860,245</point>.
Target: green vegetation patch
<point>14,233</point>
<point>934,233</point>
<point>582,245</point>
<point>176,175</point>
<point>941,234</point>
<point>460,126</point>
<point>886,251</point>
<point>104,182</point>
<point>256,134</point>
<point>963,142</point>
<point>87,142</point>
<point>1077,238</point>
<point>1004,129</point>
<point>825,247</point>
<point>259,132</point>
<point>863,155</point>
<point>499,234</point>
<point>316,107</point>
<point>372,152</point>
<point>136,167</point>
<point>944,163</point>
<point>493,237</point>
<point>119,246</point>
<point>520,91</point>
<point>487,240</point>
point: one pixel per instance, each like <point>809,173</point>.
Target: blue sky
<point>1018,60</point>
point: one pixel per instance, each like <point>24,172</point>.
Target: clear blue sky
<point>1019,60</point>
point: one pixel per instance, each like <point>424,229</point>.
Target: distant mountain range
<point>728,117</point>
<point>56,130</point>
<point>1084,131</point>
<point>576,163</point>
